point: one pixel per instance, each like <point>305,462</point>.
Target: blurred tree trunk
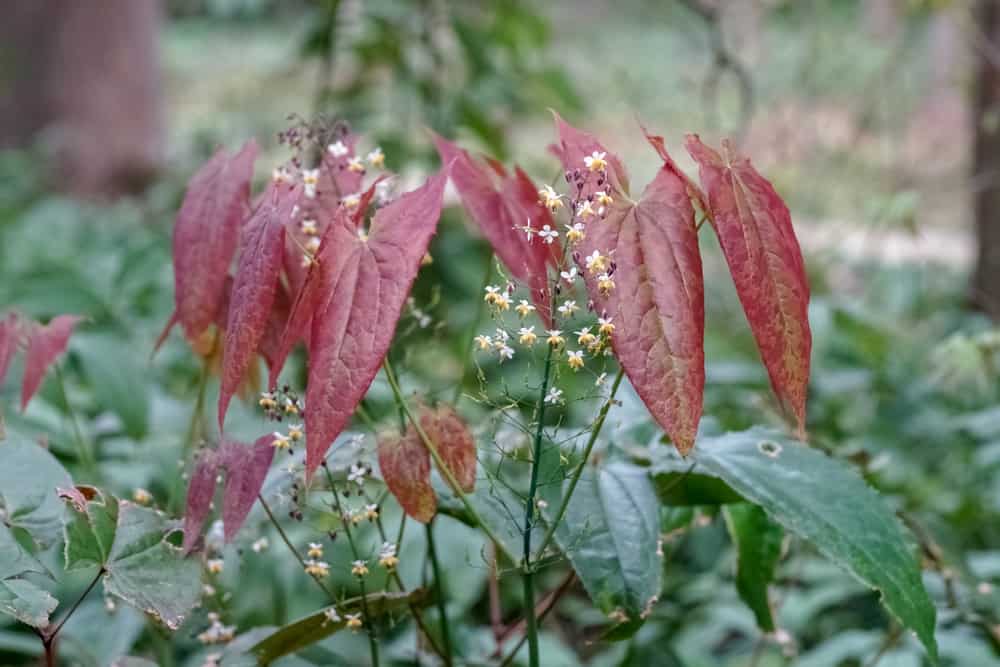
<point>83,77</point>
<point>986,161</point>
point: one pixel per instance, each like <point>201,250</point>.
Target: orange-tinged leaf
<point>755,231</point>
<point>254,287</point>
<point>207,233</point>
<point>45,344</point>
<point>657,304</point>
<point>449,432</point>
<point>364,283</point>
<point>246,469</point>
<point>499,211</point>
<point>406,468</point>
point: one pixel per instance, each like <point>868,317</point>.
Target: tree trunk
<point>986,162</point>
<point>83,79</point>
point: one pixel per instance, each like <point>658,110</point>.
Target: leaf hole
<point>768,448</point>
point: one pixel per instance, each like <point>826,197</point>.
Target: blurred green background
<point>864,113</point>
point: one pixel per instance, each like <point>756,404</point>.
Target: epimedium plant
<point>594,283</point>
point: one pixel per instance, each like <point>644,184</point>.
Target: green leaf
<point>825,502</point>
<point>90,527</point>
<point>146,571</point>
<point>611,536</point>
<point>758,543</point>
<point>29,477</point>
<point>318,626</point>
<point>19,597</point>
<point>116,377</point>
<point>678,487</point>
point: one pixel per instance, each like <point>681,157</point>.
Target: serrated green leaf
<point>19,597</point>
<point>116,377</point>
<point>825,502</point>
<point>758,544</point>
<point>318,626</point>
<point>610,534</point>
<point>146,571</point>
<point>29,478</point>
<point>90,528</point>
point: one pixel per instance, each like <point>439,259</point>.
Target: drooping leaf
<point>755,231</point>
<point>758,544</point>
<point>454,441</point>
<point>206,235</point>
<point>246,468</point>
<point>20,597</point>
<point>611,536</point>
<point>826,503</point>
<point>147,571</point>
<point>254,287</point>
<point>29,477</point>
<point>405,465</point>
<point>657,303</point>
<point>90,527</point>
<point>318,626</point>
<point>9,336</point>
<point>45,344</point>
<point>499,210</point>
<point>365,281</point>
<point>201,490</point>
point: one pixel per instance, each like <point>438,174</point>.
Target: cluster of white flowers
<point>217,632</point>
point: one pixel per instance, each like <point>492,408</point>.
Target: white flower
<point>568,276</point>
<point>484,342</point>
<point>550,198</point>
<point>527,336</point>
<point>523,308</point>
<point>596,262</point>
<point>529,231</point>
<point>331,616</point>
<point>575,232</point>
<point>310,179</point>
<point>357,474</point>
<point>506,352</point>
<point>351,201</point>
<point>575,359</point>
<point>603,198</point>
<point>605,284</point>
<point>554,396</point>
<point>260,544</point>
<point>595,161</point>
<point>585,209</point>
<point>281,175</point>
<point>315,550</point>
<point>492,294</point>
<point>600,379</point>
<point>501,337</point>
<point>605,326</point>
<point>376,158</point>
<point>554,337</point>
<point>308,227</point>
<point>548,234</point>
<point>338,149</point>
<point>584,337</point>
<point>356,165</point>
<point>568,308</point>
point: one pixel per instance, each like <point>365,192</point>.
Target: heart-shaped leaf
<point>755,231</point>
<point>45,344</point>
<point>254,286</point>
<point>657,302</point>
<point>206,235</point>
<point>365,280</point>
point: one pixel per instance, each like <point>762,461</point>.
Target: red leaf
<point>246,470</point>
<point>500,212</point>
<point>254,287</point>
<point>45,344</point>
<point>206,235</point>
<point>365,282</point>
<point>575,146</point>
<point>201,490</point>
<point>454,442</point>
<point>755,231</point>
<point>406,468</point>
<point>9,336</point>
<point>657,305</point>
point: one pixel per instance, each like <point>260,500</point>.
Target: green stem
<point>84,452</point>
<point>291,547</point>
<point>50,636</point>
<point>445,471</point>
<point>439,589</point>
<point>467,352</point>
<point>528,573</point>
<point>193,432</point>
<point>369,621</point>
<point>594,432</point>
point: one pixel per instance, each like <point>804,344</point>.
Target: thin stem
<point>369,621</point>
<point>291,547</point>
<point>528,573</point>
<point>439,588</point>
<point>467,353</point>
<point>50,636</point>
<point>594,433</point>
<point>394,381</point>
<point>445,471</point>
<point>541,611</point>
<point>84,451</point>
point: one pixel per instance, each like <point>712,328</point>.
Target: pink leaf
<point>246,470</point>
<point>572,150</point>
<point>755,231</point>
<point>9,336</point>
<point>500,210</point>
<point>206,235</point>
<point>254,287</point>
<point>454,442</point>
<point>657,304</point>
<point>45,344</point>
<point>201,490</point>
<point>364,282</point>
<point>406,468</point>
